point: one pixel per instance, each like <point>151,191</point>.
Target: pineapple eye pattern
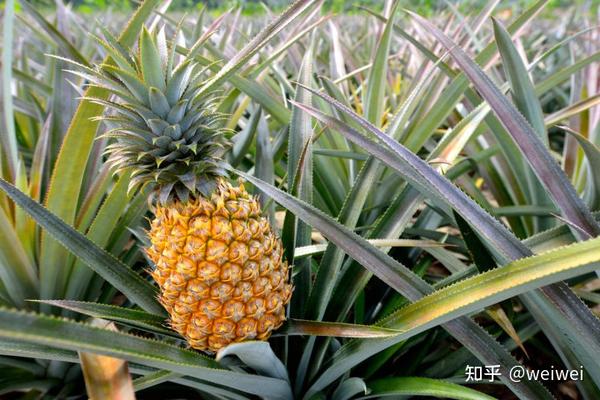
<point>224,290</point>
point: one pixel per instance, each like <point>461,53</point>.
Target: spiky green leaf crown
<point>163,131</point>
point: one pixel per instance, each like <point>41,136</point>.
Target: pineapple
<point>218,261</point>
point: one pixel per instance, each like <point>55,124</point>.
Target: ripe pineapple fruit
<point>218,262</point>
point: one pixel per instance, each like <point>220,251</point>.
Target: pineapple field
<point>310,199</point>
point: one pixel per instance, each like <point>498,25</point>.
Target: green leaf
<point>150,62</point>
<point>300,181</point>
<point>377,80</point>
<point>99,232</point>
<point>334,329</point>
<point>300,177</point>
<point>258,355</point>
<point>508,211</point>
<point>501,283</point>
<point>18,348</point>
<point>528,104</point>
<point>522,88</point>
<point>17,273</point>
<point>592,153</point>
<point>69,335</point>
<point>416,386</point>
<point>572,110</point>
<point>153,379</point>
<point>320,248</point>
<point>349,388</point>
<point>264,165</point>
<point>106,265</point>
<point>243,140</point>
<point>9,138</point>
<point>480,255</point>
<point>555,79</point>
<point>131,317</point>
<point>484,261</point>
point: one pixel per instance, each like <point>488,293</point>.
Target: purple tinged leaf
<point>548,171</point>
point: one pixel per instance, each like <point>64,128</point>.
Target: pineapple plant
<point>218,262</point>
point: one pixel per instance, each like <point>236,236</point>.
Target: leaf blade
<point>105,264</point>
<point>69,335</point>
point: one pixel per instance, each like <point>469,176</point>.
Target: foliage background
<point>427,7</point>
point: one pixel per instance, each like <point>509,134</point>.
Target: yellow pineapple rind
<point>219,267</point>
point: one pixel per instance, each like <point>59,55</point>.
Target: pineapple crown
<point>164,131</point>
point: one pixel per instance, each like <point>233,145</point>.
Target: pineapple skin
<point>219,267</point>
